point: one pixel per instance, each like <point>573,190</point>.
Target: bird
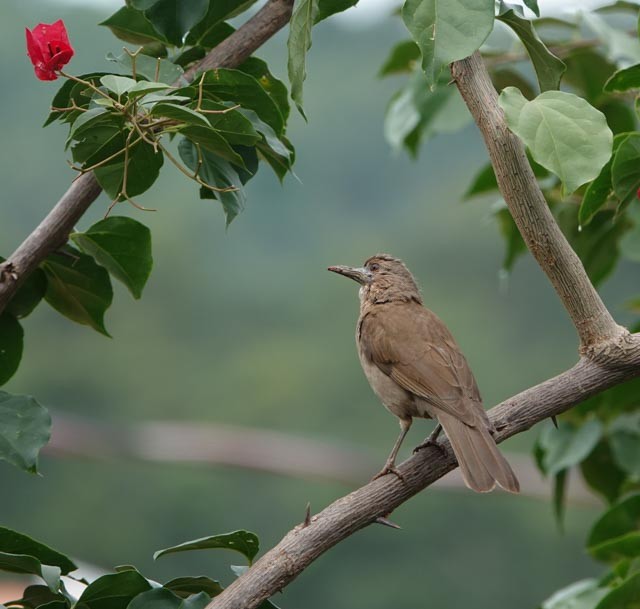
<point>417,369</point>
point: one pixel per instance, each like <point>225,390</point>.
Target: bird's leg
<point>432,440</point>
<point>390,465</point>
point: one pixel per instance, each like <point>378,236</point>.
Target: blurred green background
<point>246,327</point>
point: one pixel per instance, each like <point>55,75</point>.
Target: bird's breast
<point>396,399</point>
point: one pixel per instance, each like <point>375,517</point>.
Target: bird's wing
<point>412,345</point>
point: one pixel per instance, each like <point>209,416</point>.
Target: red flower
<point>48,48</point>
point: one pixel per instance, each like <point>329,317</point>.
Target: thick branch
<point>54,230</point>
<point>302,545</point>
<point>529,209</point>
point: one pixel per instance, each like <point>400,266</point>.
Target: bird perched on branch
<point>416,368</point>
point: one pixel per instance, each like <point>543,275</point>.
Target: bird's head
<point>382,278</point>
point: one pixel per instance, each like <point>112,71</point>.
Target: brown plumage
<point>416,368</point>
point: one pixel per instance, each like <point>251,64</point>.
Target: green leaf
<point>299,42</point>
<point>625,169</point>
<point>240,88</point>
<point>143,87</point>
<point>599,191</point>
<point>179,113</point>
<point>241,541</point>
<point>205,33</point>
<point>38,595</point>
<point>268,134</point>
<point>616,534</point>
<point>118,84</point>
<point>447,31</point>
<point>624,438</point>
<point>186,586</point>
<point>275,88</point>
<point>29,295</point>
<point>599,245</point>
<point>568,445</point>
<point>13,542</point>
<point>402,58</point>
<point>417,112</point>
<point>548,67</point>
<point>533,5</point>
<point>161,598</point>
<point>143,168</point>
<point>113,591</point>
<point>564,133</point>
<point>559,495</point>
<point>88,120</point>
<point>210,140</point>
<point>602,473</point>
<point>78,288</point>
<point>99,144</point>
<point>132,26</point>
<point>71,91</point>
<point>623,80</point>
<point>326,8</point>
<point>625,596</point>
<point>25,427</point>
<point>483,182</point>
<point>21,563</point>
<point>11,344</point>
<point>122,246</point>
<point>151,68</point>
<point>218,173</point>
<point>630,243</point>
<point>233,125</point>
<point>173,18</point>
<point>584,594</point>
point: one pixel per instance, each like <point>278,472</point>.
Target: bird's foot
<point>430,442</point>
<point>389,468</point>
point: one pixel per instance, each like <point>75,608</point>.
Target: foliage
<point>127,123</point>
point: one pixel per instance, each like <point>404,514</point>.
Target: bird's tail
<point>480,461</point>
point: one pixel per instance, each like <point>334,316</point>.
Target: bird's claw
<point>389,469</point>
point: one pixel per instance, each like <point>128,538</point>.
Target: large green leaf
<point>418,112</point>
<point>20,563</point>
<point>625,596</point>
<point>564,133</point>
<point>602,473</point>
<point>204,33</point>
<point>11,344</point>
<point>210,140</point>
<point>78,288</point>
<point>113,591</point>
<point>122,246</point>
<point>102,142</point>
<point>143,164</point>
<point>624,438</point>
<point>402,58</point>
<point>173,18</point>
<point>275,88</point>
<point>568,445</point>
<point>599,191</point>
<point>241,541</point>
<point>161,598</point>
<point>616,534</point>
<point>71,92</point>
<point>130,25</point>
<point>548,67</point>
<point>233,125</point>
<point>326,8</point>
<point>186,586</point>
<point>623,80</point>
<point>584,594</point>
<point>179,113</point>
<point>299,42</point>
<point>446,31</point>
<point>37,595</point>
<point>218,173</point>
<point>625,169</point>
<point>240,88</point>
<point>25,427</point>
<point>151,68</point>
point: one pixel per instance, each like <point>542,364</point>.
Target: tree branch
<point>529,208</point>
<point>610,355</point>
<point>54,230</point>
<point>302,545</point>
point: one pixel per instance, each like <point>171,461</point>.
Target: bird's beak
<point>361,275</point>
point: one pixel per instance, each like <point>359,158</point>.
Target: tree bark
<point>54,230</point>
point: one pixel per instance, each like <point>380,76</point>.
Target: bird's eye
<point>374,267</point>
